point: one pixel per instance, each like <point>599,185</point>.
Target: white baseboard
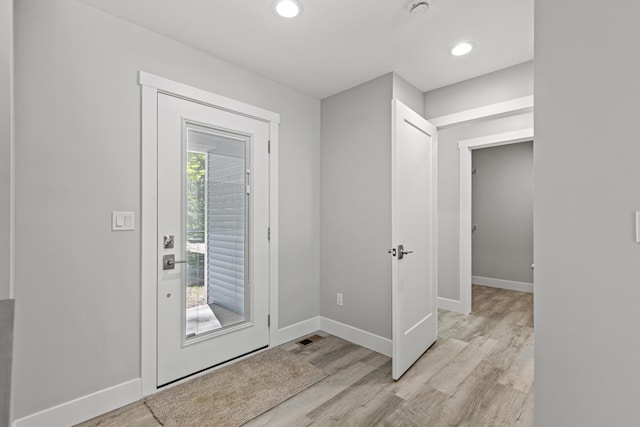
<point>340,330</point>
<point>503,284</point>
<point>86,407</point>
<point>450,304</point>
<point>298,330</point>
<point>356,336</point>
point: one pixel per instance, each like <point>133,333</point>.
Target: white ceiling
<point>337,44</point>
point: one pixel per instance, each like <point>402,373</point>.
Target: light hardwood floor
<point>478,373</point>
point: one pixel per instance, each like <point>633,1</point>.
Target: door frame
<point>151,85</point>
<point>465,147</point>
<point>506,108</point>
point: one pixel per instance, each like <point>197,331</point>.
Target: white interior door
<point>414,274</point>
<point>213,248</point>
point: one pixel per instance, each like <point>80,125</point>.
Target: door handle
<point>169,262</point>
<point>402,252</point>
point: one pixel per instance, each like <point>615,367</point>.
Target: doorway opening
<point>465,148</point>
<point>502,216</point>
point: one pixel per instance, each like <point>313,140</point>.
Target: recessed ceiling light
<point>287,8</point>
<point>461,48</point>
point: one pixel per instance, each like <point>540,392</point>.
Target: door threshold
<point>210,368</point>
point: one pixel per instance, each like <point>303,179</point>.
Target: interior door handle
<point>402,252</point>
<point>169,262</point>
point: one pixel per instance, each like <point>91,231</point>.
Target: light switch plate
<point>123,221</point>
<point>637,227</point>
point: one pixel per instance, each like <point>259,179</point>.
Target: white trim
<point>449,304</point>
<point>273,225</point>
<point>84,408</point>
<point>500,109</point>
<point>151,85</point>
<point>298,330</point>
<point>464,151</point>
<point>171,87</point>
<point>346,332</point>
<point>496,140</point>
<point>357,336</point>
<point>502,284</point>
<point>149,232</point>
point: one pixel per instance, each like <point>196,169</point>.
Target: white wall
<point>502,85</point>
<point>78,158</point>
<point>502,209</point>
<point>356,206</point>
<point>586,190</point>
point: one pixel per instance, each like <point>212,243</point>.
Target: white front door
<point>213,248</point>
<point>413,235</point>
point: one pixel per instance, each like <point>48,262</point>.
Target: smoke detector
<point>418,7</point>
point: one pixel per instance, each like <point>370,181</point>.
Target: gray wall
<point>78,158</point>
<point>586,189</point>
<point>6,63</point>
<point>408,94</point>
<point>6,305</point>
<point>356,206</point>
<point>502,85</point>
<point>356,202</point>
<point>502,208</point>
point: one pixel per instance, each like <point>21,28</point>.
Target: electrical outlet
<point>339,300</point>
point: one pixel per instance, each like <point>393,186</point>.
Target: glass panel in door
<point>216,294</point>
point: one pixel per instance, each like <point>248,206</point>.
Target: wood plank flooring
<point>478,373</point>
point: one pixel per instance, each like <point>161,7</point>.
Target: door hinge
<point>269,233</point>
<point>269,147</point>
<point>268,320</point>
